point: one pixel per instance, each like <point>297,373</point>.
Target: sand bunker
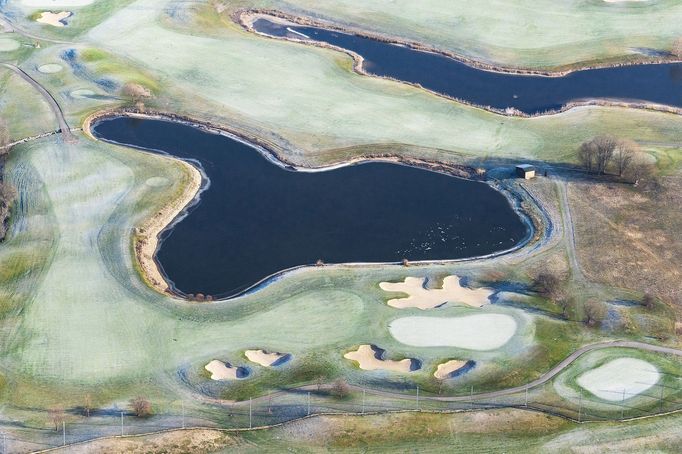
<point>82,93</point>
<point>54,19</point>
<point>631,375</point>
<point>225,371</point>
<point>267,359</point>
<point>55,3</point>
<point>422,298</point>
<point>157,182</point>
<point>370,357</point>
<point>50,68</point>
<point>472,332</point>
<point>451,368</point>
<point>8,44</point>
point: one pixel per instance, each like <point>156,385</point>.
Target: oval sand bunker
<point>472,332</point>
<point>8,44</point>
<point>50,68</point>
<point>630,375</point>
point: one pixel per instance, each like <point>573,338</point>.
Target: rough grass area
<point>25,112</point>
<point>629,237</point>
<point>493,431</point>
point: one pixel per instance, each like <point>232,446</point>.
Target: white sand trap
<point>56,3</point>
<point>156,182</point>
<point>82,93</point>
<point>8,44</point>
<point>54,19</point>
<point>267,359</point>
<point>370,357</point>
<point>447,369</point>
<point>50,68</point>
<point>472,332</point>
<point>631,375</point>
<point>225,371</point>
<point>422,298</point>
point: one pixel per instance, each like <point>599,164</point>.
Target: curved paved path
<point>63,125</point>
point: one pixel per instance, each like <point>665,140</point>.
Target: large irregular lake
<point>258,218</point>
<point>655,83</point>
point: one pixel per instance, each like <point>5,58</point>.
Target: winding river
<point>257,218</point>
<point>531,94</point>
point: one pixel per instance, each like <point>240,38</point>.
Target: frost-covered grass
<point>25,112</point>
<point>520,33</point>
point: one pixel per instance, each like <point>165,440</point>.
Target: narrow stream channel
<point>258,218</point>
<point>654,83</point>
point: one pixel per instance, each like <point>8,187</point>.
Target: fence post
<point>526,404</point>
<point>182,402</point>
<point>4,443</point>
<point>250,414</point>
<point>660,399</point>
<point>308,403</point>
<point>363,401</point>
<point>471,396</point>
<point>622,406</point>
<point>417,398</point>
<point>63,433</point>
<point>580,406</point>
<point>121,423</point>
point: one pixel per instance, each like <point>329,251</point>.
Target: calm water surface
<point>656,83</point>
<point>257,218</point>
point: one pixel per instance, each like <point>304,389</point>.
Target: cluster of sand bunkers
<point>473,332</point>
<point>221,370</point>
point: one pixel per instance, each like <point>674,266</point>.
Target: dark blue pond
<point>258,218</point>
<point>656,83</point>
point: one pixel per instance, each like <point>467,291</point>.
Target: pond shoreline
<point>246,19</point>
<point>145,242</point>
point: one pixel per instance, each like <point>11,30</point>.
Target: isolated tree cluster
<point>7,192</point>
<point>606,154</point>
<point>141,407</point>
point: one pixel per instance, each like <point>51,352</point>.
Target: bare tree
<point>548,285</point>
<point>677,47</point>
<point>141,407</point>
<point>596,153</point>
<point>57,416</point>
<point>594,313</point>
<point>648,301</point>
<point>640,169</point>
<point>7,196</point>
<point>623,154</point>
<point>87,405</point>
<point>4,136</point>
<point>137,93</point>
<point>340,389</point>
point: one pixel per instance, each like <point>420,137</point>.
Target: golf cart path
<point>63,125</point>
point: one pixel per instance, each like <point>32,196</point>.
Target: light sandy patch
<point>157,182</point>
<point>50,68</point>
<point>369,357</point>
<point>446,369</point>
<point>55,3</point>
<point>82,93</point>
<point>54,19</point>
<point>266,359</point>
<point>622,377</point>
<point>471,332</point>
<point>224,371</point>
<point>8,44</point>
<point>423,298</point>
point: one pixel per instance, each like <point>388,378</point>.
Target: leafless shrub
<point>340,389</point>
<point>57,416</point>
<point>141,407</point>
<point>595,312</point>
